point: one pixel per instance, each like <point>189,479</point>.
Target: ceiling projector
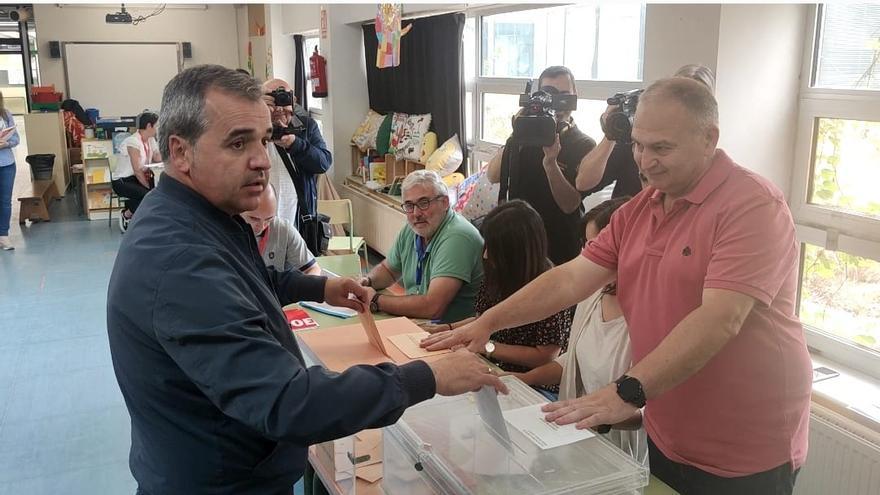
<point>121,17</point>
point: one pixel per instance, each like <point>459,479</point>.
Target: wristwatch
<point>374,303</point>
<point>630,390</point>
<point>489,348</point>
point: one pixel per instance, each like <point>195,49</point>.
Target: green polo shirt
<point>456,250</point>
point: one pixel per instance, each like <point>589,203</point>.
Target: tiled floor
<point>63,425</point>
<point>64,428</point>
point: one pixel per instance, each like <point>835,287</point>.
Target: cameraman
<point>613,161</point>
<point>544,177</point>
<point>303,153</point>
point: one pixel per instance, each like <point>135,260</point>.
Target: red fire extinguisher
<point>318,68</point>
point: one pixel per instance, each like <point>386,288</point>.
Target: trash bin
<point>42,165</point>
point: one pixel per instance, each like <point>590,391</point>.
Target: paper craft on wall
<point>389,33</point>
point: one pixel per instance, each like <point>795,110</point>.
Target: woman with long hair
<point>515,253</point>
<point>8,139</point>
<point>599,349</point>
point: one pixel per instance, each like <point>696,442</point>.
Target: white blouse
<point>599,353</point>
<point>123,160</point>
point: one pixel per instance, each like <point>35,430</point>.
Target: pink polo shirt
<point>747,410</point>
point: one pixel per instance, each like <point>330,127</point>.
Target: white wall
<point>301,18</point>
<point>760,49</point>
<point>676,35</point>
<point>281,43</point>
<point>211,30</point>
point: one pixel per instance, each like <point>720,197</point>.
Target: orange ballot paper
<point>369,324</point>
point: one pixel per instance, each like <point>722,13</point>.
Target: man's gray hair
<point>425,178</point>
<point>183,101</point>
<point>693,95</point>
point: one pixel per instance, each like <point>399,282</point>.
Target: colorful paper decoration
<point>389,33</point>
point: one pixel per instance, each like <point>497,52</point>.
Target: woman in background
<point>515,253</point>
<point>8,139</point>
<point>132,179</point>
<point>599,349</point>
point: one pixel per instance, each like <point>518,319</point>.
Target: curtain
<point>299,70</point>
<point>429,79</point>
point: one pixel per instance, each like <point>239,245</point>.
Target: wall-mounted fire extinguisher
<point>318,68</point>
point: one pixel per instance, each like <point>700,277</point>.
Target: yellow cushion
<point>454,179</point>
<point>429,146</point>
<point>447,158</point>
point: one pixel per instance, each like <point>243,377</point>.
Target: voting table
<point>454,445</point>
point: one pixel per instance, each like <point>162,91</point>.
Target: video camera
<point>535,125</point>
<point>284,98</point>
<point>618,124</point>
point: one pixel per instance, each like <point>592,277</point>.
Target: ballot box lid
<point>444,445</point>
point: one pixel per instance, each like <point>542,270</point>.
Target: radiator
<point>844,457</point>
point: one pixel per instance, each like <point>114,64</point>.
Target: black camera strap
<point>509,163</point>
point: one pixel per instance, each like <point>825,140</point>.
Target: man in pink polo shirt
<point>706,264</point>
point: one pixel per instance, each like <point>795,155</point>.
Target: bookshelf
<point>98,158</point>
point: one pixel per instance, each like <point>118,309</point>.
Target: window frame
<point>480,85</point>
<point>819,225</point>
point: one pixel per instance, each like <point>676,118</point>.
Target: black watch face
<point>630,390</point>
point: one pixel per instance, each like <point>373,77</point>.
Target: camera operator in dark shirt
<point>544,176</point>
<point>612,159</point>
<point>303,150</point>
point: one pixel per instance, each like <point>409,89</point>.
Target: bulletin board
<point>119,79</point>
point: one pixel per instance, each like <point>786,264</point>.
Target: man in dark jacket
<point>219,396</point>
<point>305,153</point>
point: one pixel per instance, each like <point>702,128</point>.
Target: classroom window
<point>840,296</point>
<point>846,166</point>
<point>848,47</point>
<point>833,196</point>
<point>595,42</point>
<point>503,49</point>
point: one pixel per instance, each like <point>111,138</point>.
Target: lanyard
<point>147,155</point>
<point>422,254</point>
<point>264,238</point>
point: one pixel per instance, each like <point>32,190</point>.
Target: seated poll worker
<point>219,396</point>
<point>278,241</point>
<point>437,257</point>
<point>706,261</point>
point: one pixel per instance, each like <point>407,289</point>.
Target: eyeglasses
<point>423,204</point>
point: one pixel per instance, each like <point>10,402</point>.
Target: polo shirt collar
<point>718,172</point>
<point>721,167</point>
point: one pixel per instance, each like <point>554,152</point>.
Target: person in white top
<point>131,178</point>
<point>598,348</point>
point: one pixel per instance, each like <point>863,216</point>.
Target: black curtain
<point>299,69</point>
<point>429,79</point>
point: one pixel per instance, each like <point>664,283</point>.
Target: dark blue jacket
<point>310,158</point>
<point>219,397</point>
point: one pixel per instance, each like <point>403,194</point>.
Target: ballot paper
<point>529,420</point>
<point>408,343</point>
<point>490,413</point>
<point>369,324</point>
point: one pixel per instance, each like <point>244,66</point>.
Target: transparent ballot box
<point>444,446</point>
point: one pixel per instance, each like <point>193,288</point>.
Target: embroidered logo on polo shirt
<point>686,251</point>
